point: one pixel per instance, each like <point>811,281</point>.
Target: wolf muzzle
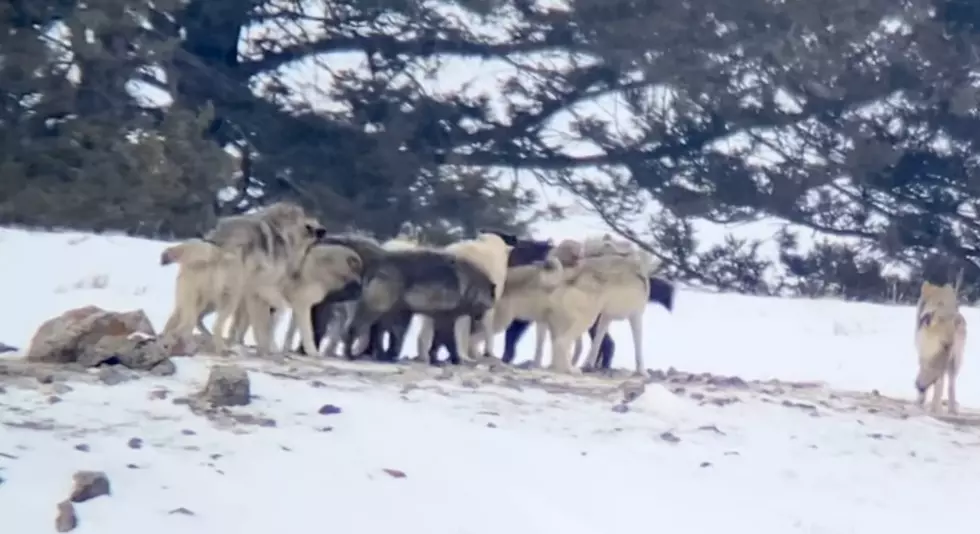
<point>661,292</point>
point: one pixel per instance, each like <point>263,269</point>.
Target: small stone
<point>705,464</point>
<point>188,432</point>
<point>491,425</point>
<point>621,408</point>
<point>89,485</point>
<point>111,375</point>
<point>82,447</point>
<point>66,520</point>
<point>227,385</point>
<point>670,437</point>
<point>329,409</point>
<point>181,511</point>
<point>164,368</point>
<point>395,473</point>
<point>318,384</point>
<point>54,399</point>
<point>135,443</point>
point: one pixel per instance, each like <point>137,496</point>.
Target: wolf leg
<point>636,325</point>
<point>951,405</point>
<point>937,393</point>
<point>577,352</point>
<point>461,334</point>
<point>561,346</point>
<point>425,337</point>
<point>513,335</point>
<point>601,327</point>
<point>541,330</point>
<point>486,333</point>
<point>303,319</point>
<point>291,332</point>
<point>261,319</point>
<point>225,313</point>
<point>239,324</point>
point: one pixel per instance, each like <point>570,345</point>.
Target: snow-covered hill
<point>489,451</point>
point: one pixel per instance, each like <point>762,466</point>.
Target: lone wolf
<point>940,336</point>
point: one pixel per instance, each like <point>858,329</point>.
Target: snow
<point>486,452</point>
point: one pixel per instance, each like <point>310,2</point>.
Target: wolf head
<point>933,298</point>
<point>569,252</point>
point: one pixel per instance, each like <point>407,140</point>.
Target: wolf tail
<point>929,373</point>
<point>661,292</point>
<point>191,253</point>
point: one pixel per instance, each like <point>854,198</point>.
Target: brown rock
<point>93,336</point>
<point>227,385</point>
<point>66,519</point>
<point>89,485</point>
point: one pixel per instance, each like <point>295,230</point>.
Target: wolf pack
<point>352,290</point>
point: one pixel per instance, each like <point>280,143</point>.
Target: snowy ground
<point>489,451</point>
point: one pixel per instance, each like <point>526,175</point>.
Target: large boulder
<point>92,336</point>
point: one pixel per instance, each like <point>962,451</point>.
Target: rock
<point>135,443</point>
<point>111,375</point>
<point>621,408</point>
<point>669,437</point>
<point>227,385</point>
<point>164,368</point>
<point>57,339</point>
<point>89,485</point>
<point>395,473</point>
<point>92,336</point>
<point>67,520</point>
<point>329,409</point>
<point>84,447</point>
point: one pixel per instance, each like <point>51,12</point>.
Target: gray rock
<point>227,385</point>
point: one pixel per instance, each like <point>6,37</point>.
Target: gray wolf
<point>940,337</point>
<point>489,253</point>
<point>209,278</point>
<point>326,272</point>
<point>598,290</point>
<point>270,245</point>
<point>568,252</point>
<point>331,318</point>
<point>423,281</point>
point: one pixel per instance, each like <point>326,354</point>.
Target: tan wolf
<point>940,336</point>
<point>270,245</point>
<point>209,278</point>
